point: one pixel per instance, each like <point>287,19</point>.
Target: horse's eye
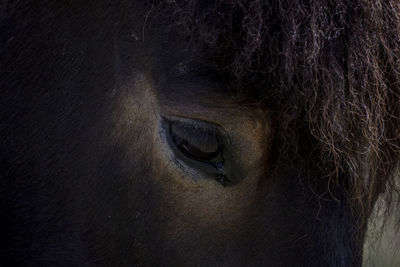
<point>195,141</point>
<point>198,146</point>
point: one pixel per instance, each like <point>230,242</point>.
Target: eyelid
<point>219,130</point>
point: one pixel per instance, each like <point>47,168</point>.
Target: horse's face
<point>148,158</point>
<point>197,184</point>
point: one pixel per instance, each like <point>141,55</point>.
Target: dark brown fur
<point>329,70</point>
<point>79,182</point>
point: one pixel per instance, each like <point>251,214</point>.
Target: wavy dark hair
<point>329,72</point>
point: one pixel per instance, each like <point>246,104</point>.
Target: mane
<point>329,72</point>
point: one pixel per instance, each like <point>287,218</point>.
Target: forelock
<point>328,71</point>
